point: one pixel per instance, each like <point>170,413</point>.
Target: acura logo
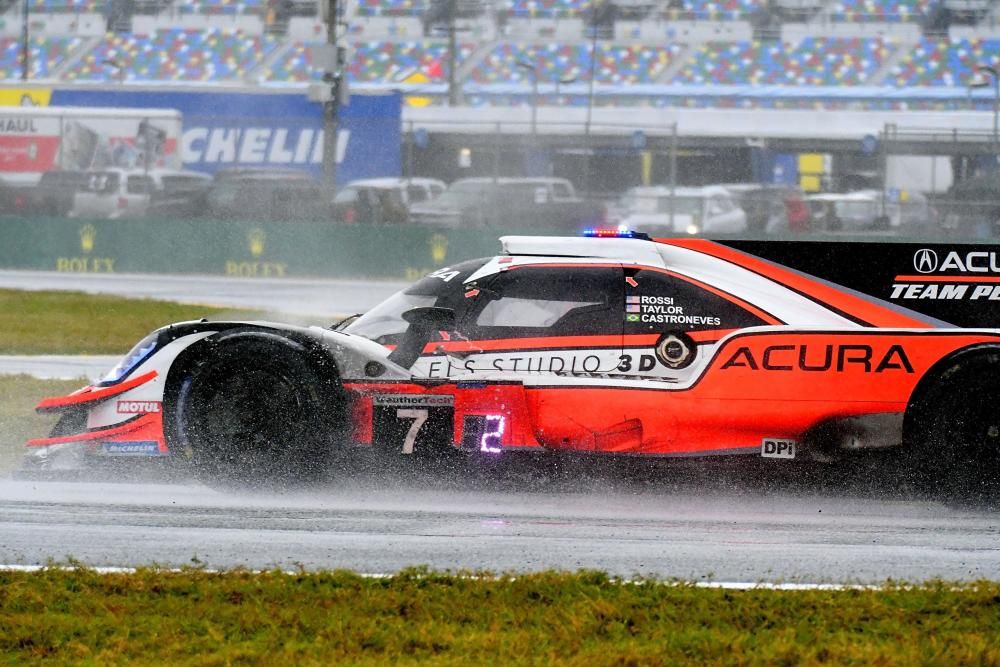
<point>925,261</point>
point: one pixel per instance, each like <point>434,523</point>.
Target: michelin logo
<point>258,145</point>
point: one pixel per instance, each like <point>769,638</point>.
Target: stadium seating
<point>530,9</point>
<point>934,63</point>
<point>390,7</point>
<point>713,10</point>
<point>880,11</point>
<point>174,55</point>
<point>224,7</point>
<point>64,6</point>
<point>716,10</point>
<point>615,64</point>
<point>374,61</point>
<point>816,61</point>
<point>45,54</point>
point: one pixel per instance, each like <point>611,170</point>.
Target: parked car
<point>702,210</point>
<point>772,208</point>
<point>512,203</point>
<point>871,211</point>
<point>113,193</point>
<point>268,194</point>
<point>124,193</point>
<point>971,207</point>
<point>12,199</point>
<point>54,194</point>
<point>379,200</point>
<point>178,194</point>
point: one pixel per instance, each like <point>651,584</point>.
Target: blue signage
<point>268,129</point>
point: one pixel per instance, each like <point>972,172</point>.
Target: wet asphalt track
<point>377,525</point>
<point>323,298</point>
<point>720,527</point>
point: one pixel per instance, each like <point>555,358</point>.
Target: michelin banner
<point>267,129</point>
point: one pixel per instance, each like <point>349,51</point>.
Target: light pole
<point>25,47</point>
<point>332,77</point>
<point>590,92</point>
<point>528,67</point>
<point>979,82</point>
<point>533,69</point>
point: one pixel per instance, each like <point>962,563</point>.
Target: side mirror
<point>431,317</point>
<point>423,323</point>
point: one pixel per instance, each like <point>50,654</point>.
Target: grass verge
<point>193,617</point>
<point>77,323</point>
<point>18,396</point>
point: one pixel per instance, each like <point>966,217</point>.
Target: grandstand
<point>652,53</point>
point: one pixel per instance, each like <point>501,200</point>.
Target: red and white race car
<point>608,345</point>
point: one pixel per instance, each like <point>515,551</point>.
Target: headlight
<point>693,229</point>
<point>136,356</point>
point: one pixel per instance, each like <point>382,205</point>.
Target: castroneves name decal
<point>815,358</point>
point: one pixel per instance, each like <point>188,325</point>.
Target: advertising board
<point>267,129</point>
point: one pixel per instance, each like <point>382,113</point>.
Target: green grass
<point>199,618</point>
<point>18,422</point>
<point>77,323</point>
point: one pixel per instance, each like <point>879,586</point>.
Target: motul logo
<point>138,407</point>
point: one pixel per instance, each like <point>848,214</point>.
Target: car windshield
<point>385,324</point>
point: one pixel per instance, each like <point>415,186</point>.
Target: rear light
<point>350,216</point>
<point>20,202</point>
<point>122,202</point>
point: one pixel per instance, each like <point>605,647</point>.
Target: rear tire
<point>256,410</point>
<point>956,430</point>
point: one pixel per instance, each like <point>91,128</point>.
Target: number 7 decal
<point>418,417</point>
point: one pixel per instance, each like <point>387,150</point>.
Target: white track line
<point>727,585</point>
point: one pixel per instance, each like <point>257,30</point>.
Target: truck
<point>516,203</point>
<point>36,140</point>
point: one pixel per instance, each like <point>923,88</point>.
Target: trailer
<point>35,140</point>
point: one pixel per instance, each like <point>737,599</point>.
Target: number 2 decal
<point>419,416</point>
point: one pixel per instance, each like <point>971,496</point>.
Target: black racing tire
<point>255,410</point>
<point>955,430</point>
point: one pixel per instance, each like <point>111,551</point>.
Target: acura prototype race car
<point>609,344</point>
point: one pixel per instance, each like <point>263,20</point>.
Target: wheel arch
<point>301,343</point>
<point>918,403</point>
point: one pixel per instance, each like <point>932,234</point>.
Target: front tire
<point>256,410</point>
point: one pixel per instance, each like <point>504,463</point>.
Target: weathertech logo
<point>925,261</point>
<point>138,407</point>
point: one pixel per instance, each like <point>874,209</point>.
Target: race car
<point>611,343</point>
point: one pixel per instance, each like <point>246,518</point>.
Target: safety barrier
<point>237,248</point>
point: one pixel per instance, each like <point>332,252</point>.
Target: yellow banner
<point>25,97</point>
